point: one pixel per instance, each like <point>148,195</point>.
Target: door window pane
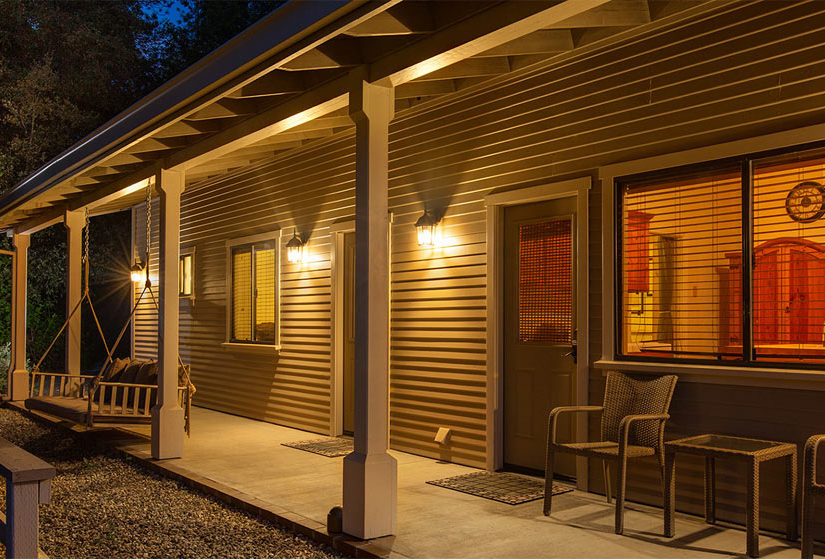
<point>545,282</point>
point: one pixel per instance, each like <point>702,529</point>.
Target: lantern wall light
<point>428,230</point>
<point>295,249</point>
<point>138,272</point>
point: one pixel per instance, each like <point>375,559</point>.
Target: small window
<point>186,275</point>
<point>253,302</point>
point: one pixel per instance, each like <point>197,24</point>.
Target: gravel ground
<point>106,505</point>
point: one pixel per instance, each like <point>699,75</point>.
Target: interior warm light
<point>138,272</point>
<point>295,249</point>
<point>427,228</point>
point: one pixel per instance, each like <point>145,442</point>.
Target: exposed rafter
<point>403,19</point>
<point>616,13</point>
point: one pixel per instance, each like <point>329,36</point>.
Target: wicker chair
<point>810,488</point>
<point>633,425</point>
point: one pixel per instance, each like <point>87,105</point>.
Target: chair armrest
<point>809,473</point>
<point>624,426</point>
<point>554,414</point>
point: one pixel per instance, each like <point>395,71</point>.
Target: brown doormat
<point>328,447</point>
<point>507,488</point>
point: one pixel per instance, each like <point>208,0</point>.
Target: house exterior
<point>595,171</point>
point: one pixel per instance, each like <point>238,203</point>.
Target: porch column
<point>74,222</point>
<point>18,374</point>
<point>167,415</point>
<point>370,473</point>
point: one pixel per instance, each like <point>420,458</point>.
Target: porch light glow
<point>427,228</point>
<point>295,249</point>
<point>138,272</point>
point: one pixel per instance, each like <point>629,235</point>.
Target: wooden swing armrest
<point>128,385</point>
<point>50,374</point>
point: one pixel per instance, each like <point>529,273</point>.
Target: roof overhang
<point>285,82</point>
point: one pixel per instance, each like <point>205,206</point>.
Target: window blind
<point>242,294</point>
<point>545,282</point>
<point>789,257</point>
<point>265,295</point>
<point>680,247</point>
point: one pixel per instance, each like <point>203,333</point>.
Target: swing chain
<point>86,237</point>
<point>148,223</point>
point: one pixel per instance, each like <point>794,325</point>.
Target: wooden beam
<point>616,13</point>
<point>469,68</point>
<point>277,82</point>
<point>125,158</point>
<point>294,112</point>
<point>184,128</point>
<point>411,90</point>
<point>495,26</point>
<point>293,137</point>
<point>254,151</point>
<point>157,145</point>
<point>537,42</point>
<point>403,19</point>
<point>335,53</point>
<point>223,109</point>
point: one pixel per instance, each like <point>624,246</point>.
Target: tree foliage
<point>66,67</point>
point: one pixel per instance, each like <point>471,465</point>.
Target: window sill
<point>251,348</point>
<point>726,375</point>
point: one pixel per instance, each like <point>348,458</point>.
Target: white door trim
<point>336,390</point>
<point>496,202</point>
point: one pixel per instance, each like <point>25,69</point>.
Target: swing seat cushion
<point>115,369</point>
<point>70,408</point>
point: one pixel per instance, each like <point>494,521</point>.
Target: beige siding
<point>745,71</point>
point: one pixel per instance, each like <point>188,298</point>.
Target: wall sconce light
<point>138,272</point>
<point>427,228</point>
<point>295,249</point>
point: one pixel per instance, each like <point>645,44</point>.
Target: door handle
<point>574,352</point>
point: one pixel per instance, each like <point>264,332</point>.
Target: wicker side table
<point>751,451</point>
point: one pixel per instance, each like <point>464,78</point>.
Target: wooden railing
<point>109,399</point>
<point>44,384</point>
<point>28,484</point>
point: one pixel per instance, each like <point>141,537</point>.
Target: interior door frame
<point>336,413</point>
<point>495,203</point>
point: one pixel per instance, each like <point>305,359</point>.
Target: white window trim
<point>722,374</point>
<point>275,237</point>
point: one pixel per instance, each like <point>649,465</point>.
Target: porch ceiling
<point>254,103</point>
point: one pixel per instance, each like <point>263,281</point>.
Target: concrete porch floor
<point>247,456</point>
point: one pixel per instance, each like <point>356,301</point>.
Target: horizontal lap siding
<point>742,71</point>
<point>291,387</point>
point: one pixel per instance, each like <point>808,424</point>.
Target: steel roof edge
<point>284,26</point>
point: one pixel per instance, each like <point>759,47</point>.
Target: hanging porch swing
<point>123,391</point>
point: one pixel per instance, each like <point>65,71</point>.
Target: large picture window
<point>253,278</point>
<point>686,291</point>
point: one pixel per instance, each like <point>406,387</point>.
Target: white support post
<point>167,415</point>
<point>370,472</point>
<point>74,221</point>
<point>19,375</point>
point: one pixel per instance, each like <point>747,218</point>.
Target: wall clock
<point>806,202</point>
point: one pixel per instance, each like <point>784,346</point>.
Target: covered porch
<point>246,456</point>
